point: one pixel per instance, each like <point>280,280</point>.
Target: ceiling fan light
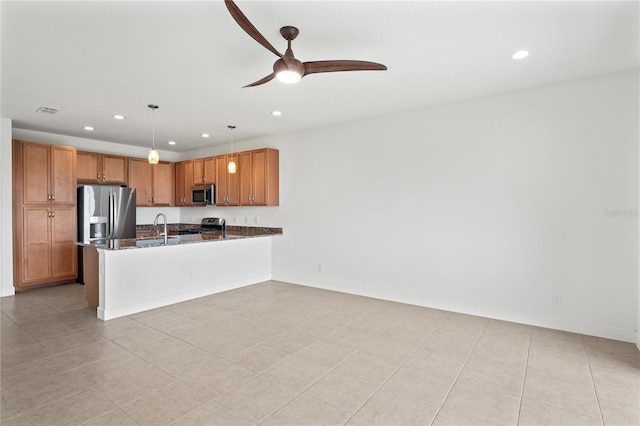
<point>154,156</point>
<point>288,76</point>
<point>520,54</point>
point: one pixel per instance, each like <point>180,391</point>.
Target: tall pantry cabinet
<point>44,214</point>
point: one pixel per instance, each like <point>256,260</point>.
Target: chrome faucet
<point>155,223</point>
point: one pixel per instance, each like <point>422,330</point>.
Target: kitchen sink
<point>156,241</point>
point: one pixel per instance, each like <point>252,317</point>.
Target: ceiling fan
<point>287,68</point>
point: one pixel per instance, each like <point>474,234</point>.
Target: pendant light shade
<point>231,166</point>
<point>154,156</point>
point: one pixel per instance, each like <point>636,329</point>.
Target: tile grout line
<point>460,372</point>
<point>593,384</point>
<point>397,369</point>
<point>298,393</point>
<point>324,375</point>
<point>524,378</point>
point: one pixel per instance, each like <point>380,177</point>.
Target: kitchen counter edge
<point>237,233</point>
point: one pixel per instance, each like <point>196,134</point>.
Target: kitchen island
<point>127,276</point>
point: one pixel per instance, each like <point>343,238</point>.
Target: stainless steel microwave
<point>203,195</point>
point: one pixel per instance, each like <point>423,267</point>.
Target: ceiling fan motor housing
<point>288,64</point>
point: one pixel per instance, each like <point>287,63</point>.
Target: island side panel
<point>91,268</point>
<point>137,280</point>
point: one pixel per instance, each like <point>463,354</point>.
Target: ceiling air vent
<point>47,110</point>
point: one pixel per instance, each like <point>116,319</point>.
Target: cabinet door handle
<point>53,214</point>
<point>98,176</point>
<point>149,200</point>
<point>153,200</point>
<point>53,197</point>
<point>104,177</point>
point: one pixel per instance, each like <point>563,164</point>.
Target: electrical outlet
<point>320,267</point>
<point>257,220</point>
<point>556,298</point>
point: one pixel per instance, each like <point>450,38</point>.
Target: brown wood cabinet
<point>44,211</point>
<point>49,244</point>
<point>154,183</point>
<point>48,174</point>
<point>101,168</point>
<point>184,182</point>
<point>259,177</point>
<point>204,171</point>
<point>227,184</point>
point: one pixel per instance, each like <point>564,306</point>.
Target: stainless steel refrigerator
<point>104,212</point>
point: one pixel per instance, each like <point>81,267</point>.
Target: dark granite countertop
<point>232,233</point>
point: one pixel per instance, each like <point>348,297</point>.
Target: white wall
<point>6,214</point>
<point>486,207</point>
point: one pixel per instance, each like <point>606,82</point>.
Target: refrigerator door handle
<point>110,231</point>
<point>116,212</point>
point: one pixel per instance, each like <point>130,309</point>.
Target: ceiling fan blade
<point>248,27</point>
<point>262,81</point>
<point>314,67</point>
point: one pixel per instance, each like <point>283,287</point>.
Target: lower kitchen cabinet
<point>49,252</point>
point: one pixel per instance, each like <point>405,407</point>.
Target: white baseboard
<point>597,330</point>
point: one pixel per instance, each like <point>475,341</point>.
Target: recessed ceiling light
<point>205,135</point>
<point>520,54</point>
<point>88,128</point>
<point>276,113</point>
<point>118,117</point>
<point>172,142</point>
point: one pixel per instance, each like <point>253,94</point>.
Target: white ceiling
<point>95,59</point>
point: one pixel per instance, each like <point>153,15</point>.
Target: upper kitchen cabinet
<point>184,182</point>
<point>227,184</point>
<point>48,173</point>
<point>153,182</point>
<point>259,177</point>
<point>204,171</point>
<point>102,168</point>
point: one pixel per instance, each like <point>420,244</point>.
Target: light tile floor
<point>282,354</point>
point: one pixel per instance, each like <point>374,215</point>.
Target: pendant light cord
<point>231,127</point>
<point>153,128</point>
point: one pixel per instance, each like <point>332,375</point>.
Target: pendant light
<point>154,156</point>
<point>231,167</point>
